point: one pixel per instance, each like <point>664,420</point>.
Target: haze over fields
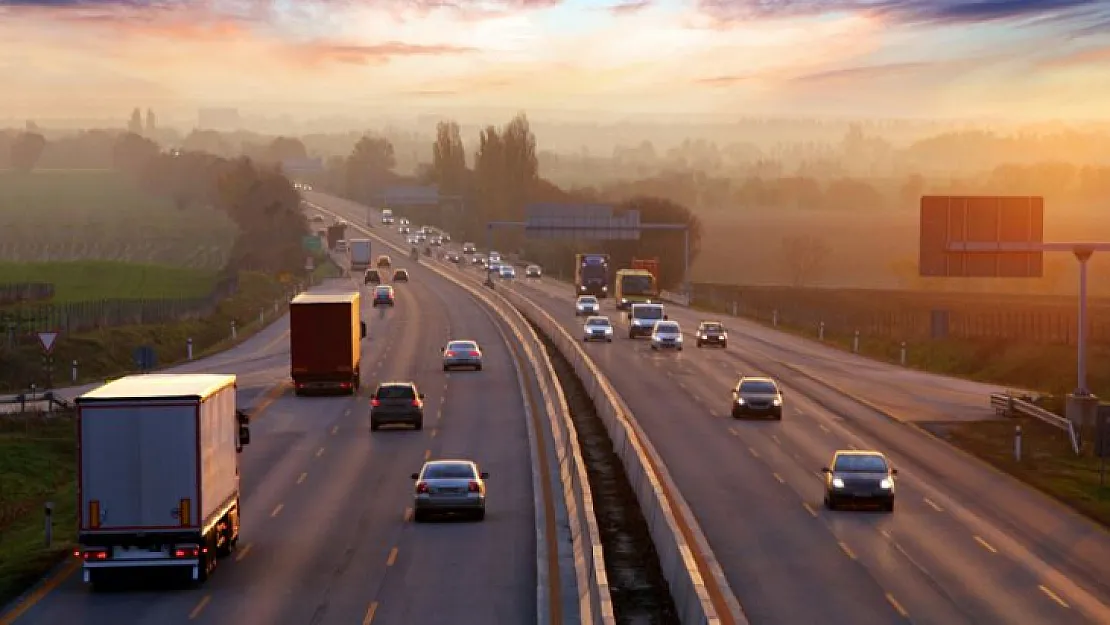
<point>799,123</point>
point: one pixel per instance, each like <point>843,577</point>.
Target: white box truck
<point>360,255</point>
<point>158,474</point>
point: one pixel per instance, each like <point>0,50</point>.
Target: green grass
<point>103,215</point>
<point>1047,464</point>
<point>37,464</point>
<point>99,280</point>
<point>109,352</point>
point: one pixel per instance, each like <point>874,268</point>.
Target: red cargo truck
<point>647,264</point>
<point>325,342</point>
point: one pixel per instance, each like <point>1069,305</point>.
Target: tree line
<point>260,200</point>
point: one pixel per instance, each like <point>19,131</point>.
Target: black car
<point>372,277</point>
<point>383,296</point>
<point>712,333</point>
<point>859,477</point>
<point>401,275</point>
<point>397,403</point>
<point>454,257</point>
<point>756,397</point>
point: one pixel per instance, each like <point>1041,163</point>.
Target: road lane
<point>340,494</point>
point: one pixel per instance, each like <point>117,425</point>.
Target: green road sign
<point>311,243</point>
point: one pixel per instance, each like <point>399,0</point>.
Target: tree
<point>132,152</point>
<point>27,149</point>
<point>666,245</point>
<point>449,159</point>
<point>266,207</point>
<point>285,149</point>
<point>151,123</point>
<point>804,256</point>
<point>135,125</point>
<point>369,167</point>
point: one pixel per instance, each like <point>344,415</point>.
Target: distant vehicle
<point>462,354</point>
<point>477,260</point>
<point>397,403</point>
<point>404,221</point>
<point>179,433</point>
<point>411,239</point>
<point>383,296</point>
<point>586,305</point>
<point>404,230</point>
<point>360,254</point>
<point>387,217</point>
<point>642,319</point>
<point>859,477</point>
<point>591,274</point>
<point>508,272</point>
<point>435,240</point>
<point>384,262</point>
<point>756,397</point>
<point>454,257</point>
<point>469,248</point>
<point>635,286</point>
<point>341,246</point>
<point>712,333</point>
<point>494,256</point>
<point>597,328</point>
<point>318,219</point>
<point>325,334</point>
<point>372,277</point>
<point>335,233</point>
<point>446,237</point>
<point>449,486</point>
<point>533,271</point>
<point>666,335</point>
<point>421,237</point>
<point>401,275</point>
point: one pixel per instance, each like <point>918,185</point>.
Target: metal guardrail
<point>32,398</point>
<point>1008,404</point>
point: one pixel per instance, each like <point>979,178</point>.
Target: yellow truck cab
<point>635,286</point>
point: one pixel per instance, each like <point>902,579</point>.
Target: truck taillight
<point>422,488</point>
<point>186,551</point>
<point>183,511</point>
<point>472,487</point>
<point>94,513</point>
<point>344,385</point>
<point>92,554</point>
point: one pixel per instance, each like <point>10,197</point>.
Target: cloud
<point>912,11</point>
<point>324,51</point>
<point>1092,56</point>
<point>631,6</point>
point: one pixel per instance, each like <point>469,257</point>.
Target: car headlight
<point>776,402</point>
<point>739,401</point>
<point>837,482</point>
<point>582,288</point>
<point>704,336</point>
<point>624,300</point>
<point>608,330</point>
<point>605,288</point>
<point>678,339</point>
<point>886,483</point>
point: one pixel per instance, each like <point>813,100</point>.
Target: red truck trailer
<point>158,475</point>
<point>325,342</point>
<point>647,264</point>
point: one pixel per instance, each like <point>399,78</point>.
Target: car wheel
<point>478,368</point>
<point>724,345</point>
<point>419,425</point>
<point>697,344</point>
<point>829,503</point>
<point>609,340</point>
<point>480,515</point>
<point>420,516</point>
<point>374,426</point>
<point>679,348</point>
<point>889,507</point>
<point>446,368</point>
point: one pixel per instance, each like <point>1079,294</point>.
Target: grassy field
<point>37,464</point>
<point>1047,461</point>
<point>93,280</point>
<point>109,352</point>
<point>104,215</point>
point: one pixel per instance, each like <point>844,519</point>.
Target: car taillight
<point>375,403</point>
<point>344,385</point>
<point>416,402</point>
<point>472,487</point>
<point>422,488</point>
<point>449,354</point>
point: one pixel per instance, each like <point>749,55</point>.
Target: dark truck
<point>591,275</point>
<point>336,233</point>
<point>325,342</point>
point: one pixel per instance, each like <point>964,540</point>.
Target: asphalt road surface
<point>327,535</point>
<point>965,545</point>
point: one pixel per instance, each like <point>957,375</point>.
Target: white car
<point>586,305</point>
<point>507,272</point>
<point>666,335</point>
<point>597,328</point>
<point>533,271</point>
<point>449,486</point>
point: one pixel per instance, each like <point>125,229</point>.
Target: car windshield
<point>396,391</point>
<point>382,291</point>
<point>401,272</point>
<point>457,471</point>
<point>712,327</point>
<point>758,387</point>
<point>648,312</point>
<point>856,463</point>
<point>597,322</point>
<point>462,345</point>
<point>587,300</point>
<point>638,285</point>
<point>667,328</point>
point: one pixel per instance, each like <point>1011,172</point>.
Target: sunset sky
<point>1011,58</point>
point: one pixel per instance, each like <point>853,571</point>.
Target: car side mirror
<point>484,475</point>
<point>242,418</point>
<point>894,471</point>
<point>421,396</point>
<point>415,476</point>
<point>666,318</point>
<point>244,437</point>
<point>362,328</point>
<point>825,470</point>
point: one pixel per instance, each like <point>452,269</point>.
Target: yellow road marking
<point>243,552</point>
<point>319,452</point>
<point>408,514</point>
<point>933,505</point>
<point>985,545</point>
<point>369,618</point>
<point>809,509</point>
<point>277,509</point>
<point>897,606</point>
<point>392,557</point>
<point>1055,597</point>
<point>200,607</point>
<point>779,478</point>
<point>302,478</point>
<point>848,552</point>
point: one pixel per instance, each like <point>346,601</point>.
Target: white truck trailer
<point>158,474</point>
<point>360,255</point>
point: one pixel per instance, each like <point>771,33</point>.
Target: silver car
<point>586,305</point>
<point>533,271</point>
<point>459,354</point>
<point>449,486</point>
<point>666,335</point>
<point>507,272</point>
<point>597,328</point>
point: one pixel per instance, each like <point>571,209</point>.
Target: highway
<point>327,531</point>
<point>966,544</point>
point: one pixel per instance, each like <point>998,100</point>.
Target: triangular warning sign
<point>47,339</point>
